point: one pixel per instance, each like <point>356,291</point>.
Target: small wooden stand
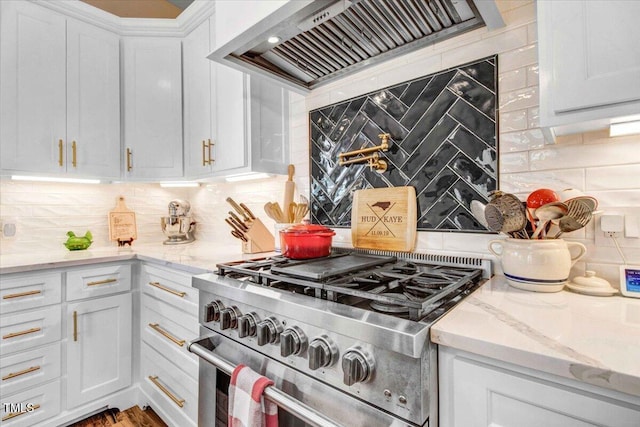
<point>259,239</point>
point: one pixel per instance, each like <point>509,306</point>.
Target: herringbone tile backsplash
<point>443,142</point>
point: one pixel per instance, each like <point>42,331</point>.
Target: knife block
<point>259,239</point>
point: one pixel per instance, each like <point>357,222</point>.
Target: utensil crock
<point>537,265</point>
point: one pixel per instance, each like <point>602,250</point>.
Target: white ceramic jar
<point>537,265</point>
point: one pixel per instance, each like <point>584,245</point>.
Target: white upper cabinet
<point>233,123</point>
<point>152,108</point>
<point>60,107</point>
<point>589,54</point>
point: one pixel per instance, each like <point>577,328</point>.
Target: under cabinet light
<point>52,179</point>
<point>273,39</point>
<point>624,128</point>
<point>179,184</point>
<point>247,176</point>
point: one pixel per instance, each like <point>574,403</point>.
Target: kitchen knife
<point>233,226</point>
<point>238,235</point>
<point>289,188</point>
<point>238,222</point>
<point>248,211</point>
<point>238,209</point>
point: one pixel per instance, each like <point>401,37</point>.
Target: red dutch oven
<point>305,241</point>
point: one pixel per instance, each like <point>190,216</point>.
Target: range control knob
<point>322,352</point>
<point>268,331</point>
<point>212,311</point>
<point>292,341</point>
<point>357,366</point>
<point>229,317</point>
<point>247,325</point>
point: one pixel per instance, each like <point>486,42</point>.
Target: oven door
<point>302,401</point>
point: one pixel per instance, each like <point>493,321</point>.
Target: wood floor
<point>132,417</point>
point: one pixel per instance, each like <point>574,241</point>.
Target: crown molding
<point>189,19</point>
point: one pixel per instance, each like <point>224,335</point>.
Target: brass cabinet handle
<point>177,401</point>
<point>210,159</point>
<point>22,294</point>
<point>17,374</point>
<point>60,153</point>
<point>129,163</point>
<point>15,414</point>
<point>17,334</point>
<point>101,282</point>
<point>204,155</point>
<point>75,326</point>
<point>74,159</point>
<point>171,291</point>
<point>166,334</point>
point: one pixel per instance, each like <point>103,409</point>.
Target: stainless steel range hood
<point>323,40</point>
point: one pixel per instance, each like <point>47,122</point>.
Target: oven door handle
<point>280,398</point>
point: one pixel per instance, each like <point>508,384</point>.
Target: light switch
<point>612,223</point>
<point>632,226</point>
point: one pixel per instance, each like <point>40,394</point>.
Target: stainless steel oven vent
<point>330,39</point>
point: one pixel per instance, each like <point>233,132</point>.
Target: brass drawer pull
<point>60,153</point>
<point>210,161</point>
<point>15,414</point>
<point>166,334</point>
<point>164,288</point>
<point>179,402</point>
<point>74,159</point>
<point>22,294</point>
<point>75,326</point>
<point>204,151</point>
<point>101,282</point>
<point>129,163</point>
<point>17,374</point>
<point>17,334</point>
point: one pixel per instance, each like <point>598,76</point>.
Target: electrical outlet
<point>8,228</point>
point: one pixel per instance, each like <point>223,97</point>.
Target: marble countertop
<point>595,340</point>
<point>195,258</point>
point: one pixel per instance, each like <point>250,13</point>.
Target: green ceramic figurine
<point>75,243</point>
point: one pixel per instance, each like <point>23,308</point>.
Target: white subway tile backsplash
<point>613,177</point>
<point>512,80</point>
<point>518,99</point>
<point>522,140</point>
<point>556,180</point>
<point>533,114</point>
<point>533,75</point>
<point>503,42</point>
<point>513,162</point>
<point>585,156</point>
<point>514,120</point>
<point>520,57</point>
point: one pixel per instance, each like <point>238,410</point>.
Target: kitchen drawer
<point>163,328</point>
<point>171,287</point>
<point>31,406</point>
<point>24,291</point>
<point>98,281</point>
<point>29,368</point>
<point>30,329</point>
<point>174,393</point>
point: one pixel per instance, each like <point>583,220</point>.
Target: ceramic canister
<point>537,265</point>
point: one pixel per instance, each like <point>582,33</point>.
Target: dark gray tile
<point>470,118</point>
<point>428,146</point>
<point>414,90</point>
<point>473,174</point>
<point>389,103</point>
<point>428,121</point>
<point>474,93</point>
<point>484,72</point>
<point>434,88</point>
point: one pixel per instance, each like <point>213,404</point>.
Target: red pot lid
<point>309,229</point>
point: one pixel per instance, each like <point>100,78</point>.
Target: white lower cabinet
<point>27,369</point>
<point>98,347</point>
<point>168,321</point>
<point>33,406</point>
<point>477,391</point>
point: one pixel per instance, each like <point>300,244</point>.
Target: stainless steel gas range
<point>345,338</point>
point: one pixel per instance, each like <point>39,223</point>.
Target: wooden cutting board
<point>384,219</point>
<point>122,223</point>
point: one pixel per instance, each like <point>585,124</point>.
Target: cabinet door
<point>269,126</point>
<point>230,149</point>
<point>93,101</point>
<point>98,348</point>
<point>153,108</point>
<point>197,102</point>
<point>32,83</point>
<point>596,58</point>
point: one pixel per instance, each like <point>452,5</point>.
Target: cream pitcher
<point>537,265</point>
